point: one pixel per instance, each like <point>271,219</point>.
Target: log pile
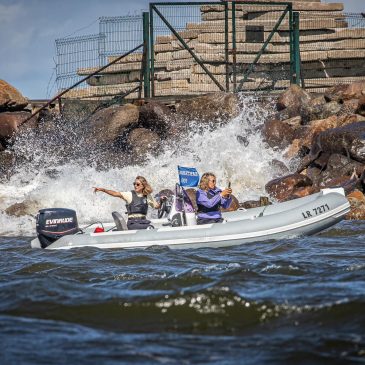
<point>331,53</point>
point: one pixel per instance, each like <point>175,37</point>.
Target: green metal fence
<point>201,47</point>
<point>227,46</point>
<point>78,57</point>
<point>334,55</point>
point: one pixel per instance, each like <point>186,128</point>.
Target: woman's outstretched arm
<point>116,194</point>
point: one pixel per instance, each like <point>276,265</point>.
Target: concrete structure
<point>331,52</point>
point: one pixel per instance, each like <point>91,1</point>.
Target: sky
<point>29,28</point>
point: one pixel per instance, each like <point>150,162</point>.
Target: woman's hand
<point>116,194</point>
<point>226,193</point>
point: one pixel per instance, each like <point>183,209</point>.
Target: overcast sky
<point>28,29</point>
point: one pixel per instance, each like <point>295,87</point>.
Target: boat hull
<point>300,217</point>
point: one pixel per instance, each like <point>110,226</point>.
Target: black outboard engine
<point>53,223</point>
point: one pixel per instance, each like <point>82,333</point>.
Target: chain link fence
<point>336,54</point>
<point>197,48</point>
<point>78,57</point>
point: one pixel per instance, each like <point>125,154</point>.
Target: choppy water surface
<point>297,301</point>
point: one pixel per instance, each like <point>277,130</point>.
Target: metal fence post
<point>146,55</point>
<point>296,49</point>
<point>291,43</point>
<point>226,41</point>
<point>234,46</point>
<point>152,53</point>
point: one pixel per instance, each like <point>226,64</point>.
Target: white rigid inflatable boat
<point>299,217</point>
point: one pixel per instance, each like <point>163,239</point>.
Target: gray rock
<point>143,141</point>
<point>215,109</point>
<point>107,125</point>
<point>10,98</point>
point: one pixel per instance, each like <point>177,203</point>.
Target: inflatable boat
<point>58,228</point>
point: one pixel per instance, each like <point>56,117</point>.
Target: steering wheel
<point>161,211</point>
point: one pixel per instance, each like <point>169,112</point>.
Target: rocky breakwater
<point>116,136</point>
<point>323,137</point>
<point>133,133</point>
<point>13,111</point>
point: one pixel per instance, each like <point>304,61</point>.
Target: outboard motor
<point>54,223</point>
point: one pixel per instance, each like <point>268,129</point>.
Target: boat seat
<point>119,221</point>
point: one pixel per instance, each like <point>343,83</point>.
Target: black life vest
<point>138,204</point>
<point>204,209</point>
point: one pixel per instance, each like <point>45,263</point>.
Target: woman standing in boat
<point>210,199</point>
<point>137,201</point>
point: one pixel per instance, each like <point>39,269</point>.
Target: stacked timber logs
<point>331,53</point>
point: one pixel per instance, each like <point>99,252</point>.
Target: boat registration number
<point>315,211</point>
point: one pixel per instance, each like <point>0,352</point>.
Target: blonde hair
<point>146,186</point>
<point>204,180</point>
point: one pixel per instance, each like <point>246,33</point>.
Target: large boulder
<point>282,188</point>
<point>10,123</point>
<point>10,98</point>
<point>262,202</point>
<point>348,183</point>
<point>301,192</point>
<point>155,116</point>
<point>311,139</point>
<point>317,110</point>
<point>294,98</point>
<point>218,108</point>
<point>277,133</point>
<point>348,140</point>
<point>313,109</point>
<point>143,141</point>
<point>357,202</point>
<point>7,163</point>
<point>342,165</point>
<point>107,125</point>
<point>332,170</point>
<point>350,106</point>
<point>278,168</point>
<point>27,207</point>
<point>318,126</point>
<point>315,174</point>
<point>343,92</point>
<point>361,106</point>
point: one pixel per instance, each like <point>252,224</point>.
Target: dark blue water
<point>296,301</point>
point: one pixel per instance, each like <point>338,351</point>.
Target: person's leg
<point>209,220</point>
<point>138,224</point>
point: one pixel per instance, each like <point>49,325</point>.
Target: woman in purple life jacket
<point>210,199</point>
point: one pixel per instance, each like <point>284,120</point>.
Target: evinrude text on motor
<point>54,223</point>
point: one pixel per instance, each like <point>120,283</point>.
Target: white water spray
<point>70,184</point>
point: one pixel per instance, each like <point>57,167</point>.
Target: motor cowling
<point>54,223</point>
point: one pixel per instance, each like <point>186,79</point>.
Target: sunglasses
<point>137,184</point>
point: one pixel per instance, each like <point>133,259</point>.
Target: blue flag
<point>188,176</point>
